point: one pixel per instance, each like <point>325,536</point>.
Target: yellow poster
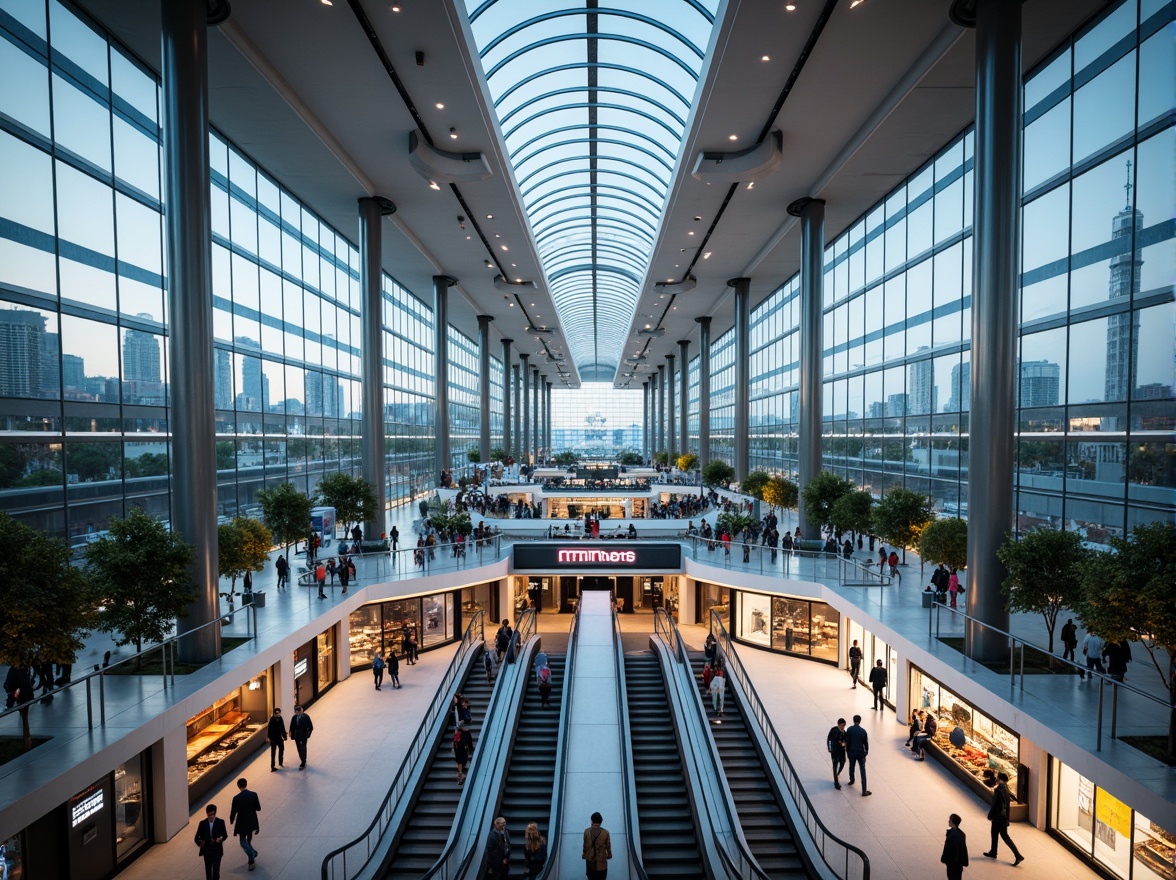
<point>1112,812</point>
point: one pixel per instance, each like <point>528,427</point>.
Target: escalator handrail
<point>824,841</point>
<point>725,826</point>
<point>462,846</point>
<point>628,775</point>
<point>422,741</point>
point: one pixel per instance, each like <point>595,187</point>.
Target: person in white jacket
<point>718,689</point>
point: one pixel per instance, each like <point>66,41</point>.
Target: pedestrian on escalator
<point>463,749</point>
<point>544,677</point>
<point>534,851</point>
<point>718,690</point>
<point>597,849</point>
<point>498,851</point>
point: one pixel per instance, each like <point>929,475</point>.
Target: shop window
<point>1155,851</point>
<point>473,600</point>
<point>438,619</point>
<point>12,859</point>
<point>325,657</point>
<point>712,597</point>
<point>363,636</point>
<point>215,733</point>
<point>130,827</point>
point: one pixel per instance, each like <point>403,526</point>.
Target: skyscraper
<point>141,356</point>
<point>223,391</point>
<point>1123,328</point>
<point>921,385</point>
<point>961,388</point>
<point>1039,384</point>
<point>21,337</point>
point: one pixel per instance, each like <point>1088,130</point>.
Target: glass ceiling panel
<point>591,100</point>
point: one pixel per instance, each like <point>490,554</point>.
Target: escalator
<point>765,827</point>
<point>665,815</point>
<point>530,774</point>
<point>436,798</point>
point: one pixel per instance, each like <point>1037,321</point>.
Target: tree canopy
<point>353,498</point>
<point>781,492</point>
<point>852,511</point>
<point>718,473</point>
<point>1044,573</point>
<point>286,512</point>
<point>48,606</point>
<point>141,575</point>
<point>734,522</point>
<point>901,516</point>
<point>242,545</point>
<point>687,461</point>
<point>566,457</point>
<point>821,494</point>
<point>946,541</point>
<point>629,458</point>
<point>753,484</point>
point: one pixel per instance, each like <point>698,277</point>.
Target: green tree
<point>946,541</point>
<point>46,476</point>
<point>286,512</point>
<point>92,461</point>
<point>717,473</point>
<point>353,498</point>
<point>474,455</point>
<point>629,458</point>
<point>566,458</point>
<point>753,484</point>
<point>852,512</point>
<point>1044,573</point>
<point>226,455</point>
<point>1128,594</point>
<point>140,573</point>
<point>11,466</point>
<point>48,606</point>
<point>242,545</point>
<point>498,453</point>
<point>149,464</point>
<point>901,516</point>
<point>781,492</point>
<point>662,458</point>
<point>821,494</point>
<point>458,522</point>
<point>687,462</point>
<point>734,523</point>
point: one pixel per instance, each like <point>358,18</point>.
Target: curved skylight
<point>593,101</point>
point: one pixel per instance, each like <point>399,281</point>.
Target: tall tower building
<point>141,356</point>
<point>223,376</point>
<point>1040,384</point>
<point>921,385</point>
<point>961,388</point>
<point>21,339</point>
<point>1123,328</point>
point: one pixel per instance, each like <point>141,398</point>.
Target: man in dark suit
<point>955,849</point>
<point>276,734</point>
<point>246,806</point>
<point>498,851</point>
<point>998,815</point>
<point>210,837</point>
<point>300,731</point>
<point>857,746</point>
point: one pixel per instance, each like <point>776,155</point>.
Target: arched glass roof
<point>592,101</point>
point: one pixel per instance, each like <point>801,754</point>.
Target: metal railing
<point>167,652</point>
<point>844,859</point>
<point>1017,646</point>
<point>716,799</point>
<point>628,789</point>
<point>348,860</point>
<point>403,562</point>
<point>816,565</point>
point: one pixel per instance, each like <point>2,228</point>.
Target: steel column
<point>704,324</point>
<point>812,254</point>
<point>672,444</point>
<point>536,417</point>
<point>441,285</point>
<point>525,427</point>
<point>484,387</point>
<point>661,409</point>
<point>742,288</point>
<point>683,395</point>
<point>506,396</point>
<point>371,212</point>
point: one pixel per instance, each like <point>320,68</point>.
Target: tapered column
<point>189,293</point>
<point>525,447</point>
<point>506,395</point>
<point>996,237</point>
<point>672,445</point>
<point>661,409</point>
<point>371,213</point>
<point>704,394</point>
<point>742,288</point>
<point>547,420</point>
<point>441,285</point>
<point>683,395</point>
<point>645,438</point>
<point>517,452</point>
<point>536,415</point>
<point>812,253</point>
<point>484,386</point>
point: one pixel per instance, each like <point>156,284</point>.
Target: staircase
<point>665,815</point>
<point>530,774</point>
<point>437,796</point>
<point>765,827</point>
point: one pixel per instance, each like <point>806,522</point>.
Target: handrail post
<point>1012,667</point>
<point>1114,709</point>
<point>1022,668</point>
<point>89,705</point>
<point>1098,742</point>
<point>173,664</point>
<point>163,662</point>
<point>102,696</point>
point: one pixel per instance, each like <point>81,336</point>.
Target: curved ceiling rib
<point>592,101</point>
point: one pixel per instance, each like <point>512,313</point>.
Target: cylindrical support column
<point>517,452</point>
<point>189,248</point>
<point>547,419</point>
<point>507,391</point>
<point>683,395</point>
<point>742,288</point>
<point>996,238</point>
<point>371,212</point>
<point>484,387</point>
<point>645,439</point>
<point>812,273</point>
<point>525,447</point>
<point>661,409</point>
<point>441,285</point>
<point>536,415</point>
<point>704,324</point>
<point>671,411</point>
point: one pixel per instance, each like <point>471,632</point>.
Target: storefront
<point>982,748</point>
<point>434,620</point>
<point>226,734</point>
<point>94,834</point>
<point>789,624</point>
<point>712,597</point>
<point>873,650</point>
<point>598,507</point>
<point>1105,831</point>
<point>314,668</point>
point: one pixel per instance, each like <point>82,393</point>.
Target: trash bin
<point>928,598</point>
<point>258,599</point>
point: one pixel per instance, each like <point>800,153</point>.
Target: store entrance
<point>634,594</point>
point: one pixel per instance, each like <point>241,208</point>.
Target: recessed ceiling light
<point>751,184</point>
<point>497,235</point>
<point>504,247</point>
<point>520,281</point>
<point>489,216</point>
<point>453,133</point>
<point>514,265</point>
<point>791,7</point>
<point>512,305</point>
<point>691,232</point>
<point>440,106</point>
<point>433,185</point>
<point>766,58</point>
<point>467,238</point>
<point>706,256</point>
<point>394,8</point>
<point>327,3</point>
<point>532,305</point>
<point>732,137</point>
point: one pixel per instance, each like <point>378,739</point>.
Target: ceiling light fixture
<point>853,3</point>
<point>394,8</point>
<point>327,3</point>
<point>504,247</point>
<point>440,106</point>
<point>706,256</point>
<point>732,137</point>
<point>766,58</point>
<point>453,133</point>
<point>686,284</point>
<point>791,7</point>
<point>751,185</point>
<point>433,185</point>
<point>655,333</point>
<point>489,216</point>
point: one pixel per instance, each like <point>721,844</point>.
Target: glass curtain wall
<point>463,397</point>
<point>84,366</point>
<point>1095,447</point>
<point>722,408</point>
<point>409,393</point>
<point>497,406</point>
<point>690,436</point>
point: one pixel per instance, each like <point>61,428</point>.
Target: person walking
<point>490,661</point>
<point>320,578</point>
<point>597,849</point>
<point>378,669</point>
<point>243,814</point>
<point>998,815</point>
<point>1117,656</point>
<point>1069,640</point>
<point>855,663</point>
<point>878,679</point>
<point>282,567</point>
<point>210,838</point>
<point>393,664</point>
<point>276,734</point>
<point>544,686</point>
<point>410,648</point>
<point>892,561</point>
<point>463,749</point>
<point>301,728</point>
<point>498,851</point>
<point>534,851</point>
<point>955,849</point>
<point>394,537</point>
<point>857,746</point>
<point>953,586</point>
<point>1092,650</point>
<point>835,742</point>
<point>718,691</point>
